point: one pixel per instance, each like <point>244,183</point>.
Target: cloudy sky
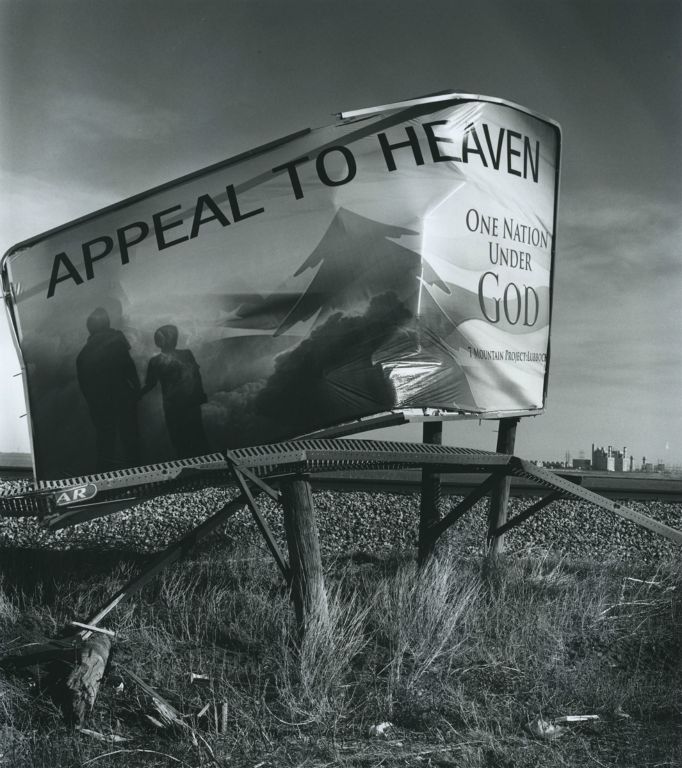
<point>102,99</point>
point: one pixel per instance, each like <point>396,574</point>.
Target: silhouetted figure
<point>109,382</point>
<point>182,392</point>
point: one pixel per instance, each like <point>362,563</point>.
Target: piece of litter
<point>111,738</point>
<point>380,731</point>
<point>92,628</point>
<point>154,721</point>
<point>195,677</point>
<point>116,682</point>
<point>575,718</point>
<point>545,730</point>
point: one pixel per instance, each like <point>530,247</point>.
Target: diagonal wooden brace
<point>464,506</point>
<point>39,653</point>
<point>170,555</point>
<point>58,648</point>
<point>528,512</point>
<point>240,475</point>
<point>249,475</point>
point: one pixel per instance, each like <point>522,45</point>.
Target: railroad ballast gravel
<point>359,521</point>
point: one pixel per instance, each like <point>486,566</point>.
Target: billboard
<point>400,258</point>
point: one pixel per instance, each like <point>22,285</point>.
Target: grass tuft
<point>422,616</point>
<point>315,679</point>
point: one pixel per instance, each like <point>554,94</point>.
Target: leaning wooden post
<point>83,682</point>
<point>305,561</point>
<point>499,497</point>
<point>429,512</point>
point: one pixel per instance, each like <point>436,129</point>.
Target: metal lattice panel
<point>132,476</point>
<point>129,486</point>
<point>25,504</point>
<point>312,455</point>
<point>296,456</point>
<point>328,455</point>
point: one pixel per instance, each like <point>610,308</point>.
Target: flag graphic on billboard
<point>398,259</point>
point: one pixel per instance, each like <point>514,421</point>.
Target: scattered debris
<point>154,721</point>
<point>92,628</point>
<point>380,731</point>
<point>553,729</point>
<point>116,682</point>
<point>111,738</point>
<point>545,729</point>
<point>167,714</point>
<point>195,677</point>
<point>575,718</point>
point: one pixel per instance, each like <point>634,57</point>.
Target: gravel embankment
<point>360,521</point>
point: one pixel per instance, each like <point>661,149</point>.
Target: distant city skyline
<point>624,453</point>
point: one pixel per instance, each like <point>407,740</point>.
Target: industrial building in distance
<point>612,460</point>
<point>608,460</point>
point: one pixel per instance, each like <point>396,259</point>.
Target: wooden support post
<point>305,562</point>
<point>429,512</point>
<point>499,498</point>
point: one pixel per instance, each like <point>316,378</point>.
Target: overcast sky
<point>102,99</point>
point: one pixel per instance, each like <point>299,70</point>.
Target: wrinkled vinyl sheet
<point>395,260</point>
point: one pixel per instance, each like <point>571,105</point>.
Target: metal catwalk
<point>61,503</point>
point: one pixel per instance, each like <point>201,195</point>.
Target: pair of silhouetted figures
<point>110,384</point>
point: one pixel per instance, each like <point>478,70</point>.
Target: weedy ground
<point>460,658</point>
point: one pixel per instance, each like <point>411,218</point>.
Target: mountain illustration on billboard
<point>355,260</point>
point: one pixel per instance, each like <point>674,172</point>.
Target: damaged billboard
<point>398,259</point>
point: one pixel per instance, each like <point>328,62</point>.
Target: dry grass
<point>461,660</point>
